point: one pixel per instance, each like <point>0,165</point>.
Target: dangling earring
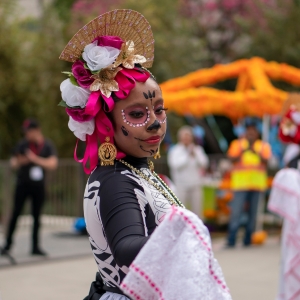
<point>157,155</point>
<point>107,153</point>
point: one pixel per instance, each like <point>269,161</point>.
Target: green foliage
<point>30,75</point>
<point>279,37</point>
<point>30,71</point>
<point>177,49</point>
<point>63,8</point>
<point>12,110</point>
<point>45,70</point>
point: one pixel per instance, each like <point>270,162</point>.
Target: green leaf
<point>67,73</point>
<point>62,103</point>
<point>96,72</point>
<point>73,80</point>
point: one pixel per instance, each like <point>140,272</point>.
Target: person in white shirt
<point>187,163</point>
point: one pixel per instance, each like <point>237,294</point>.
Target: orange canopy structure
<point>254,95</point>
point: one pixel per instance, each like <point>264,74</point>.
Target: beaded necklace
<point>172,200</point>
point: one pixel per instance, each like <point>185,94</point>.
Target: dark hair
<point>30,124</point>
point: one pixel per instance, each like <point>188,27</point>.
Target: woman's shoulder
<point>116,174</point>
<point>113,185</point>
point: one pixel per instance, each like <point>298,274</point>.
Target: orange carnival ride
<point>254,95</point>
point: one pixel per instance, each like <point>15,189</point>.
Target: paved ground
<point>251,274</point>
<point>58,239</point>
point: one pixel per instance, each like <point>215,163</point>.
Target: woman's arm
<point>122,218</point>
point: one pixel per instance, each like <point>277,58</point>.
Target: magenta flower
<point>79,115</point>
<point>82,75</point>
<point>109,40</point>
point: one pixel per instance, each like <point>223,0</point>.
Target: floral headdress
<point>104,54</point>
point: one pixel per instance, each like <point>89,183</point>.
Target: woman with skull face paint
<point>110,97</point>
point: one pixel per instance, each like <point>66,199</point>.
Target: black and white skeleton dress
<point>121,210</point>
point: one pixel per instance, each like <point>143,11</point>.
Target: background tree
<point>30,75</point>
<point>189,35</point>
<point>278,38</point>
<point>177,49</point>
<point>12,108</point>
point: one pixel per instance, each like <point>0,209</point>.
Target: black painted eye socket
<point>137,114</point>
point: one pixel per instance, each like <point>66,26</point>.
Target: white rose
<point>80,130</point>
<point>74,95</point>
<point>98,57</point>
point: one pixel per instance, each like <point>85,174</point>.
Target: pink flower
<point>109,40</point>
<point>82,75</point>
<point>79,115</point>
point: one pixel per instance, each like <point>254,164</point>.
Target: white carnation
<point>98,57</point>
<point>80,130</point>
<point>74,95</point>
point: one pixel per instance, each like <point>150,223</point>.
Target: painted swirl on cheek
<point>125,131</point>
<point>151,152</point>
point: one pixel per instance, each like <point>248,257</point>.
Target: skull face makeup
<point>137,113</point>
<point>137,116</point>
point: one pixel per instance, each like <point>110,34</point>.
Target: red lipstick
<point>153,139</point>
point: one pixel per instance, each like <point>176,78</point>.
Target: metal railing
<point>64,190</point>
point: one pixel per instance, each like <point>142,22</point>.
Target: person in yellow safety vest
<point>248,180</point>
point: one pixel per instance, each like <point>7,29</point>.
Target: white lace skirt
<point>113,296</point>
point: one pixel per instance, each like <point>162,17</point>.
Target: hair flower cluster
<point>95,71</point>
<point>108,55</point>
